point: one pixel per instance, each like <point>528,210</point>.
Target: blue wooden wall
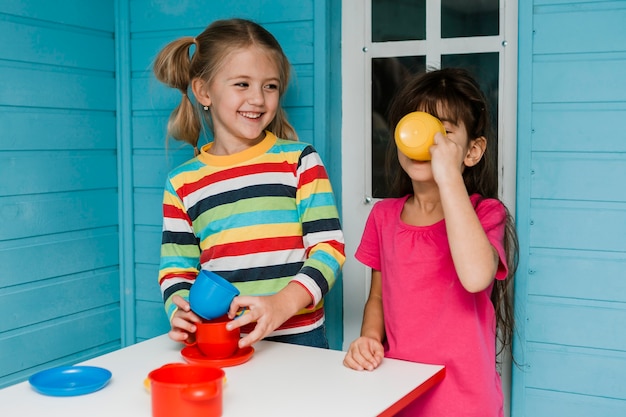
<point>83,160</point>
<point>59,276</point>
<point>571,211</point>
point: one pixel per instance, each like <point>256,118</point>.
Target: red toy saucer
<point>193,355</point>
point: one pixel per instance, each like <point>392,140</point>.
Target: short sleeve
<point>368,251</point>
<point>492,215</point>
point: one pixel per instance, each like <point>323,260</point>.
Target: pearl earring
<point>206,108</point>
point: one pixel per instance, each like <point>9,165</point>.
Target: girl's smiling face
<point>243,98</point>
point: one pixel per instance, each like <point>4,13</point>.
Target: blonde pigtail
<point>172,67</point>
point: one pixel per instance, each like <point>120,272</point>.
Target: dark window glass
<point>485,69</point>
<point>463,18</point>
<point>398,20</point>
<point>387,75</point>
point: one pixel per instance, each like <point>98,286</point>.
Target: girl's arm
<point>373,317</point>
<point>366,352</point>
<point>475,259</point>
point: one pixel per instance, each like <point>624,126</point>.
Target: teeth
<point>251,115</point>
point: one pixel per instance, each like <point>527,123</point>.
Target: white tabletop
<point>278,380</point>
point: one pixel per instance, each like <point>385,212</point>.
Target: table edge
<point>411,396</point>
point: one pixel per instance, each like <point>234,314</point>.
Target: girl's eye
<point>241,84</point>
<point>272,86</point>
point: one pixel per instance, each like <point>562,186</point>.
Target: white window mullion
<point>433,33</point>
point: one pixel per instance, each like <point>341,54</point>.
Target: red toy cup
<point>214,340</point>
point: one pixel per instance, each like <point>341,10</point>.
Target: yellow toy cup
<point>415,134</point>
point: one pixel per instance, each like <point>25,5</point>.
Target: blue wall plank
<point>566,273</point>
<point>57,46</point>
<point>571,176</point>
<point>167,16</point>
<point>148,206</point>
<point>602,77</point>
<point>575,370</point>
<point>94,14</point>
<point>572,322</point>
<point>146,277</point>
<point>567,225</point>
<point>151,320</point>
<point>69,90</point>
<point>64,297</point>
<point>149,130</point>
<point>541,402</point>
<point>87,332</point>
<point>569,35</point>
<point>148,243</point>
<point>45,129</point>
<point>588,127</point>
<point>78,171</point>
<point>58,255</point>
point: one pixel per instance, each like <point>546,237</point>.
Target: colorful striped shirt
<point>260,218</point>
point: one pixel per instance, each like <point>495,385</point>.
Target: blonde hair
<point>176,67</point>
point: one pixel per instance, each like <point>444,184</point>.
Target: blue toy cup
<point>210,295</point>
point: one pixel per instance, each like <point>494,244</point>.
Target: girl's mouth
<point>251,115</point>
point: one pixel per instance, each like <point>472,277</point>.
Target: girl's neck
<point>422,210</point>
<point>221,148</point>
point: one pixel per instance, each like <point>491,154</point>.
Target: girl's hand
<point>266,311</point>
<point>183,321</point>
<point>365,353</point>
<point>447,159</point>
<point>269,311</point>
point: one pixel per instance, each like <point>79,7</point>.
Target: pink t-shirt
<point>429,316</point>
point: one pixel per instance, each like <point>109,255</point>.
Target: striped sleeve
<point>322,235</point>
<point>180,253</point>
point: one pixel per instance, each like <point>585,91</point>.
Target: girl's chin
<point>415,161</point>
<point>420,172</point>
<point>253,135</point>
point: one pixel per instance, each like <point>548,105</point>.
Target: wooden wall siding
<point>571,286</point>
<point>154,24</point>
<point>59,281</point>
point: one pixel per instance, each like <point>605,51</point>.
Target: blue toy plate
<point>65,381</point>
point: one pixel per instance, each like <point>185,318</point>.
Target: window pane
<point>462,18</point>
<point>485,68</point>
<point>398,21</point>
<point>387,75</point>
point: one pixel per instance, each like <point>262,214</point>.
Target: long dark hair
<point>453,93</point>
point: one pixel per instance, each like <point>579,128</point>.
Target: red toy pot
<point>186,390</point>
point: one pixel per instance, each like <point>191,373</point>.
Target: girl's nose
<point>256,96</point>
